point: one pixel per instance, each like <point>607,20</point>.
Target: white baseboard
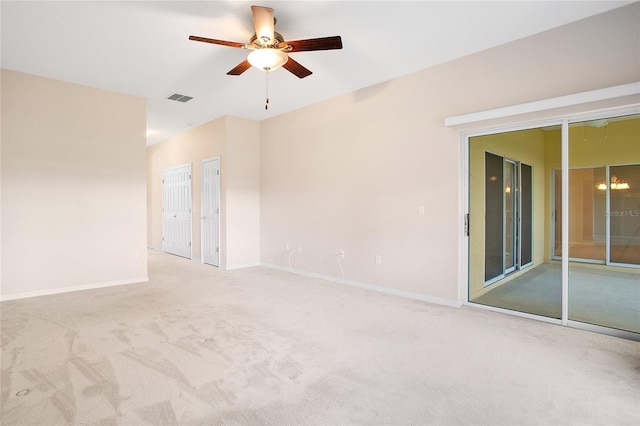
<point>242,266</point>
<point>28,294</point>
<point>374,287</point>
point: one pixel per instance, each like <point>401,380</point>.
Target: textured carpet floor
<point>200,346</point>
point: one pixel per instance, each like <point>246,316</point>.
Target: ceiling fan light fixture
<point>267,59</point>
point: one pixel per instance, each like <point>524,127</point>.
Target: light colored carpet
<point>200,346</point>
<point>610,298</point>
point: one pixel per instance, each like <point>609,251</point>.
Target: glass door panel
<point>604,223</point>
<point>509,199</point>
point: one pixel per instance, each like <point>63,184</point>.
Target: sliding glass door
<point>504,209</point>
<point>554,214</point>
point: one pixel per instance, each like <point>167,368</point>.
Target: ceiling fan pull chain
<point>266,105</point>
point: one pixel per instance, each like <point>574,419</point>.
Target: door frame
<point>217,200</point>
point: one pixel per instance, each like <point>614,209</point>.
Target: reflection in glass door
<point>587,229</point>
<point>604,223</point>
<point>605,215</point>
<point>624,214</point>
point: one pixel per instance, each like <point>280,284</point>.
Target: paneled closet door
<point>210,211</point>
<point>176,211</point>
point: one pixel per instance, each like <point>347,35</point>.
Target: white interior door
<point>210,218</point>
<point>176,210</point>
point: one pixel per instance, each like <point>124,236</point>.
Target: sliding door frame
<point>564,122</point>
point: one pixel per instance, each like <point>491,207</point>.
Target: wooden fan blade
<point>295,68</point>
<point>240,68</point>
<point>322,43</point>
<point>264,24</point>
<point>214,41</point>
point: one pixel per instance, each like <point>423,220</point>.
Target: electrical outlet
<point>287,247</point>
<point>299,249</point>
<point>341,253</point>
<point>378,259</point>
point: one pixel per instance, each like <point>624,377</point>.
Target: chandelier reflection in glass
<point>615,184</point>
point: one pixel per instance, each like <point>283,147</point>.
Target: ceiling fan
<point>269,49</point>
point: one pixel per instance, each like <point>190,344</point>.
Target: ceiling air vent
<point>180,98</point>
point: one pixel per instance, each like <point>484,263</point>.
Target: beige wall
<point>242,209</point>
<point>73,186</point>
<point>237,142</point>
<point>351,173</point>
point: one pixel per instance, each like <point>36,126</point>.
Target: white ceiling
<point>141,47</point>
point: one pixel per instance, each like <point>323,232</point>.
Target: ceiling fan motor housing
<point>277,36</point>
